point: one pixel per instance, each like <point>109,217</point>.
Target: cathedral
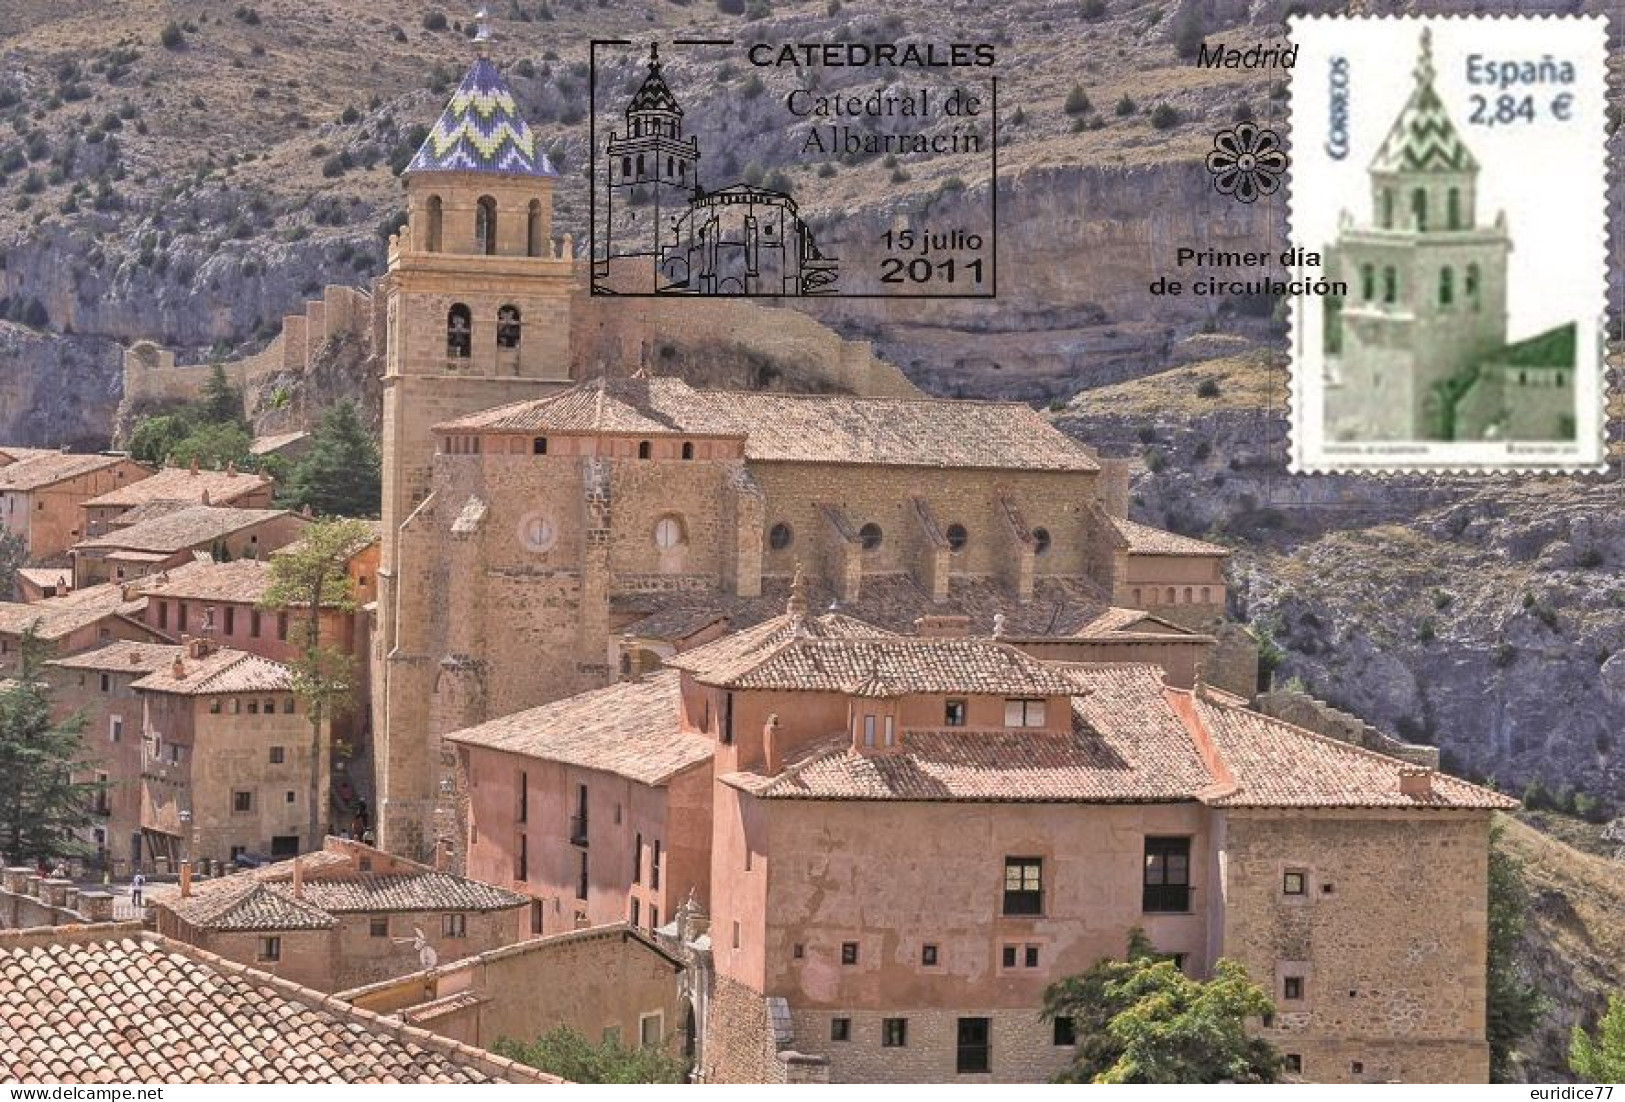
<point>551,515</point>
<point>1419,350</point>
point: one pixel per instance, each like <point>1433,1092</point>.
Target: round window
<point>778,537</point>
<point>1040,540</point>
<point>869,535</point>
<point>668,532</point>
<point>957,537</point>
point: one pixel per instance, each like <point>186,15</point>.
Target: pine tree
<point>42,807</point>
<point>340,475</point>
<point>13,554</point>
<point>306,580</point>
<point>220,403</point>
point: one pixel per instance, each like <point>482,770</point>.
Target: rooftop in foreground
<point>117,1004</point>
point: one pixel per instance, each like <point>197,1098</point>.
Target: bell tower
<point>477,297</point>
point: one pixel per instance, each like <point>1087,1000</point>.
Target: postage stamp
<point>1451,175</point>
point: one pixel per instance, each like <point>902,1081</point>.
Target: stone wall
<point>1316,715</point>
<point>740,1046</point>
<point>1389,938</point>
<point>1022,1048</point>
<point>28,900</point>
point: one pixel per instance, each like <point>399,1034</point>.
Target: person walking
<point>137,883</point>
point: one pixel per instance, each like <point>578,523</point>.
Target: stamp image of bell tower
<point>652,173</point>
<point>1427,302</point>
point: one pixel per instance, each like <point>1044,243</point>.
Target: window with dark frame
<point>378,927</point>
<point>1167,876</point>
<point>849,952</point>
<point>1292,987</point>
<point>521,813</point>
<point>278,755</point>
<point>954,714</point>
<point>928,955</point>
<point>1030,957</point>
<point>270,948</point>
<point>242,801</point>
<point>637,859</point>
<point>893,1032</point>
<point>1023,886</point>
<point>521,859</point>
<point>1294,882</point>
<point>840,1029</point>
<point>581,879</point>
<point>1008,957</point>
<point>1066,1032</point>
<point>1292,1062</point>
<point>454,925</point>
<point>974,1051</point>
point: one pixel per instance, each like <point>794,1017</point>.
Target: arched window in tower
<point>485,225</point>
<point>641,169</point>
<point>1447,287</point>
<point>1471,287</point>
<point>1368,282</point>
<point>1387,208</point>
<point>626,166</point>
<point>508,327</point>
<point>1453,211</point>
<point>459,332</point>
<point>1419,209</point>
<point>1390,285</point>
<point>534,231</point>
<point>671,165</point>
<point>431,231</point>
<point>682,170</point>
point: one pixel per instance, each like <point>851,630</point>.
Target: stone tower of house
<point>1427,279</point>
<point>478,315</point>
<point>650,173</point>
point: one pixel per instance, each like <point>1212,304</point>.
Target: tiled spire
<point>1423,138</point>
<point>481,130</point>
<point>654,95</point>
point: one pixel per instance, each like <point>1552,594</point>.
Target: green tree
<point>220,403</point>
<point>1141,1020</point>
<point>569,1055</point>
<point>1514,1007</point>
<point>155,438</point>
<point>307,579</point>
<point>213,447</point>
<point>340,474</point>
<point>42,806</point>
<point>1601,1059</point>
<point>1077,101</point>
<point>13,554</point>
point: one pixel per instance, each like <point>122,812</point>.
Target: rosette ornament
<point>1247,162</point>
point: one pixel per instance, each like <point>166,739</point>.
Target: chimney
<point>197,648</point>
<point>770,744</point>
<point>203,498</point>
<point>193,466</point>
<point>231,468</point>
<point>440,855</point>
<point>298,880</point>
<point>186,879</point>
<point>1415,781</point>
<point>633,656</point>
<point>178,669</point>
<point>942,627</point>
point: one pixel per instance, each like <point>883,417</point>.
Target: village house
<point>78,620</point>
<point>113,1003</point>
<point>343,916</point>
<point>624,987</point>
<point>175,487</point>
<point>176,536</point>
<point>910,836</point>
<point>39,583</point>
<point>42,495</point>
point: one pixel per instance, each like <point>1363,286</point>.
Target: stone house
<point>176,487</point>
<point>40,583</point>
<point>42,496</point>
<point>909,837</point>
<point>174,537</point>
<point>344,916</point>
<point>622,986</point>
<point>68,624</point>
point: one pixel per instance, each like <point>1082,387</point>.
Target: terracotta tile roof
<point>1275,764</point>
<point>182,529</point>
<point>374,533</point>
<point>735,653</point>
<point>148,510</point>
<point>243,581</point>
<point>263,898</point>
<point>1125,744</point>
<point>882,665</point>
<point>1118,622</point>
<point>1145,540</point>
<point>802,428</point>
<point>46,576</point>
<point>1132,739</point>
<point>629,729</point>
<point>181,484</point>
<point>412,891</point>
<point>61,616</point>
<point>221,671</point>
<point>120,1005</point>
<point>122,657</point>
<point>35,472</point>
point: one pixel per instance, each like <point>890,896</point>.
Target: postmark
<point>1451,174</point>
